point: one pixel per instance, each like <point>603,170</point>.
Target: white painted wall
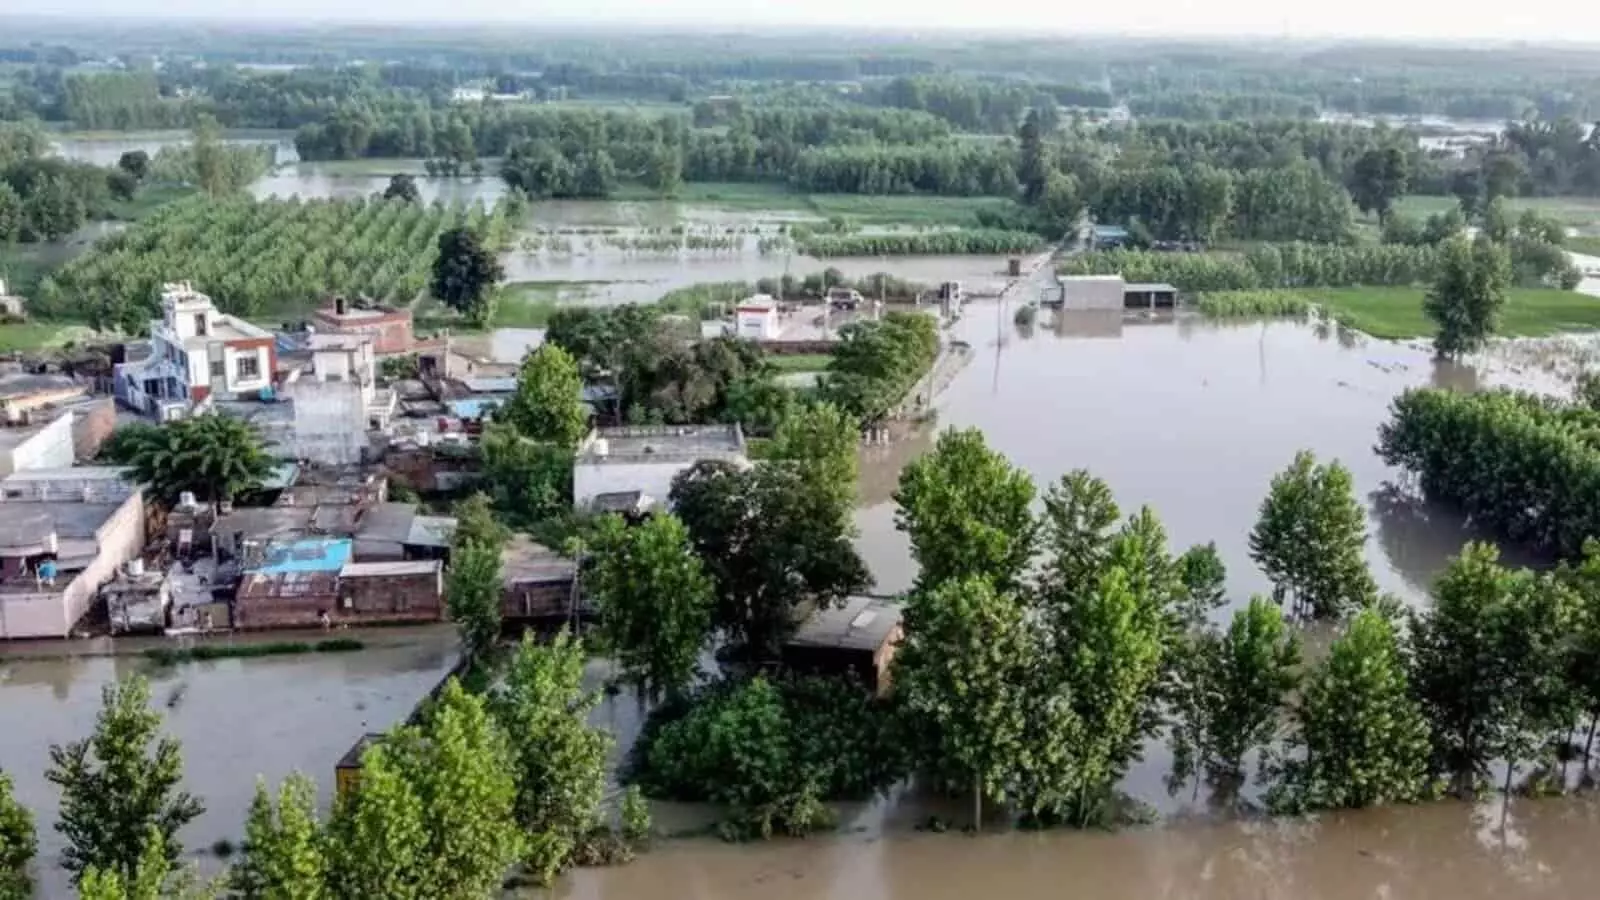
<point>236,383</point>
<point>50,448</point>
<point>330,421</point>
<point>589,480</point>
<point>1092,292</point>
<point>758,326</point>
<point>53,613</point>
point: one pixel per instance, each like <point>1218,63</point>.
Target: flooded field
<point>237,719</point>
<point>103,149</point>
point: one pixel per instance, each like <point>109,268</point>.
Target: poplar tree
<point>1310,537</point>
<point>1359,738</point>
<point>118,784</point>
<point>284,847</point>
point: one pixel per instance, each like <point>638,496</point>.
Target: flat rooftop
<point>69,473</point>
<point>353,313</point>
<point>525,562</point>
<point>25,384</point>
<point>327,342</point>
<point>862,623</point>
<point>666,443</point>
<point>22,522</point>
<point>1149,287</point>
<point>303,556</point>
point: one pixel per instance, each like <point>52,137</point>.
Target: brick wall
<point>412,597</point>
<point>92,425</point>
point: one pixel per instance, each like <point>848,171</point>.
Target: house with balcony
<point>197,353</point>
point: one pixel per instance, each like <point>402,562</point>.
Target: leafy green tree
<point>402,187</point>
<point>119,784</point>
<point>17,845</point>
<point>968,513</point>
<point>378,835</point>
<point>558,758</point>
<point>1583,664</point>
<point>548,402</point>
<point>530,481</point>
<point>1076,533</point>
<point>960,675</point>
<point>214,456</point>
<point>1378,179</point>
<point>135,163</point>
<point>655,601</point>
<point>1358,738</point>
<point>1232,687</point>
<point>771,544</point>
<point>473,585</point>
<point>153,878</point>
<point>1034,164</point>
<point>465,273</point>
<point>459,763</point>
<point>210,158</point>
<point>1468,292</point>
<point>1309,539</point>
<point>284,846</point>
<point>822,443</point>
<point>1205,583</point>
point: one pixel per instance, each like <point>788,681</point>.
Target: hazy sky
<point>1572,20</point>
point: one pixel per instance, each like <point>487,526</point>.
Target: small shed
<point>391,592</point>
<point>347,773</point>
<point>137,601</point>
<point>756,319</point>
<point>1149,295</point>
<point>858,638</point>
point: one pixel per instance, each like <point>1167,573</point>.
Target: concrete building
<point>337,402</point>
<point>63,534</point>
<point>539,586</point>
<point>389,328</point>
<point>646,458</point>
<point>12,306</point>
<point>858,639</point>
<point>757,319</point>
<point>196,352</point>
<point>391,592</point>
<point>46,446</point>
<point>1108,292</point>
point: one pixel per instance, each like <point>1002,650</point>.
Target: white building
<point>196,353</point>
<point>47,446</point>
<point>645,459</point>
<point>757,319</point>
<point>337,401</point>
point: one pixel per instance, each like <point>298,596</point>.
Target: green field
<point>862,209</point>
<point>801,362</point>
<point>1578,212</point>
<point>1396,313</point>
<point>528,304</point>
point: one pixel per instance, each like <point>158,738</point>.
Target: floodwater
<point>1192,418</point>
<point>237,719</point>
<point>105,149</point>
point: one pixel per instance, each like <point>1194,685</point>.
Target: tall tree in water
<point>961,677</point>
<point>284,854</point>
<point>119,784</point>
<point>968,512</point>
<point>1309,539</point>
<point>402,187</point>
<point>1359,738</point>
<point>1467,295</point>
<point>1231,687</point>
<point>465,273</point>
<point>473,583</point>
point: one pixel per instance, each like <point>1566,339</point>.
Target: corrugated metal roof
<point>389,569</point>
<point>431,531</point>
<point>479,384</point>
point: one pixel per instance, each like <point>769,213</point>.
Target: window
<point>248,367</point>
<point>219,369</point>
<point>200,324</point>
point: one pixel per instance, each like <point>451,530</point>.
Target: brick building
<point>389,327</point>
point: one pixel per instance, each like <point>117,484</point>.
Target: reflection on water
<point>105,150</point>
<point>237,719</point>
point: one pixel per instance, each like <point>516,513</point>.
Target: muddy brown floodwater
<point>237,719</point>
<point>1192,418</point>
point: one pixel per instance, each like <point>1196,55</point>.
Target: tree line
<point>1044,651</point>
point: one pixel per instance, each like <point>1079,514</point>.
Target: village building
<point>645,459</point>
<point>758,319</point>
<point>388,327</point>
<point>196,353</point>
<point>539,586</point>
<point>336,403</point>
<point>23,394</point>
<point>857,639</point>
<point>48,445</point>
<point>1111,292</point>
<point>63,533</point>
<point>13,307</point>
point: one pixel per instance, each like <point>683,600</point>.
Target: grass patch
<point>1586,244</point>
<point>1396,312</point>
<point>149,199</point>
<point>32,336</point>
<point>800,362</point>
<point>1578,212</point>
<point>171,656</point>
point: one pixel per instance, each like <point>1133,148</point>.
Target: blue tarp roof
<point>474,407</point>
<point>309,555</point>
